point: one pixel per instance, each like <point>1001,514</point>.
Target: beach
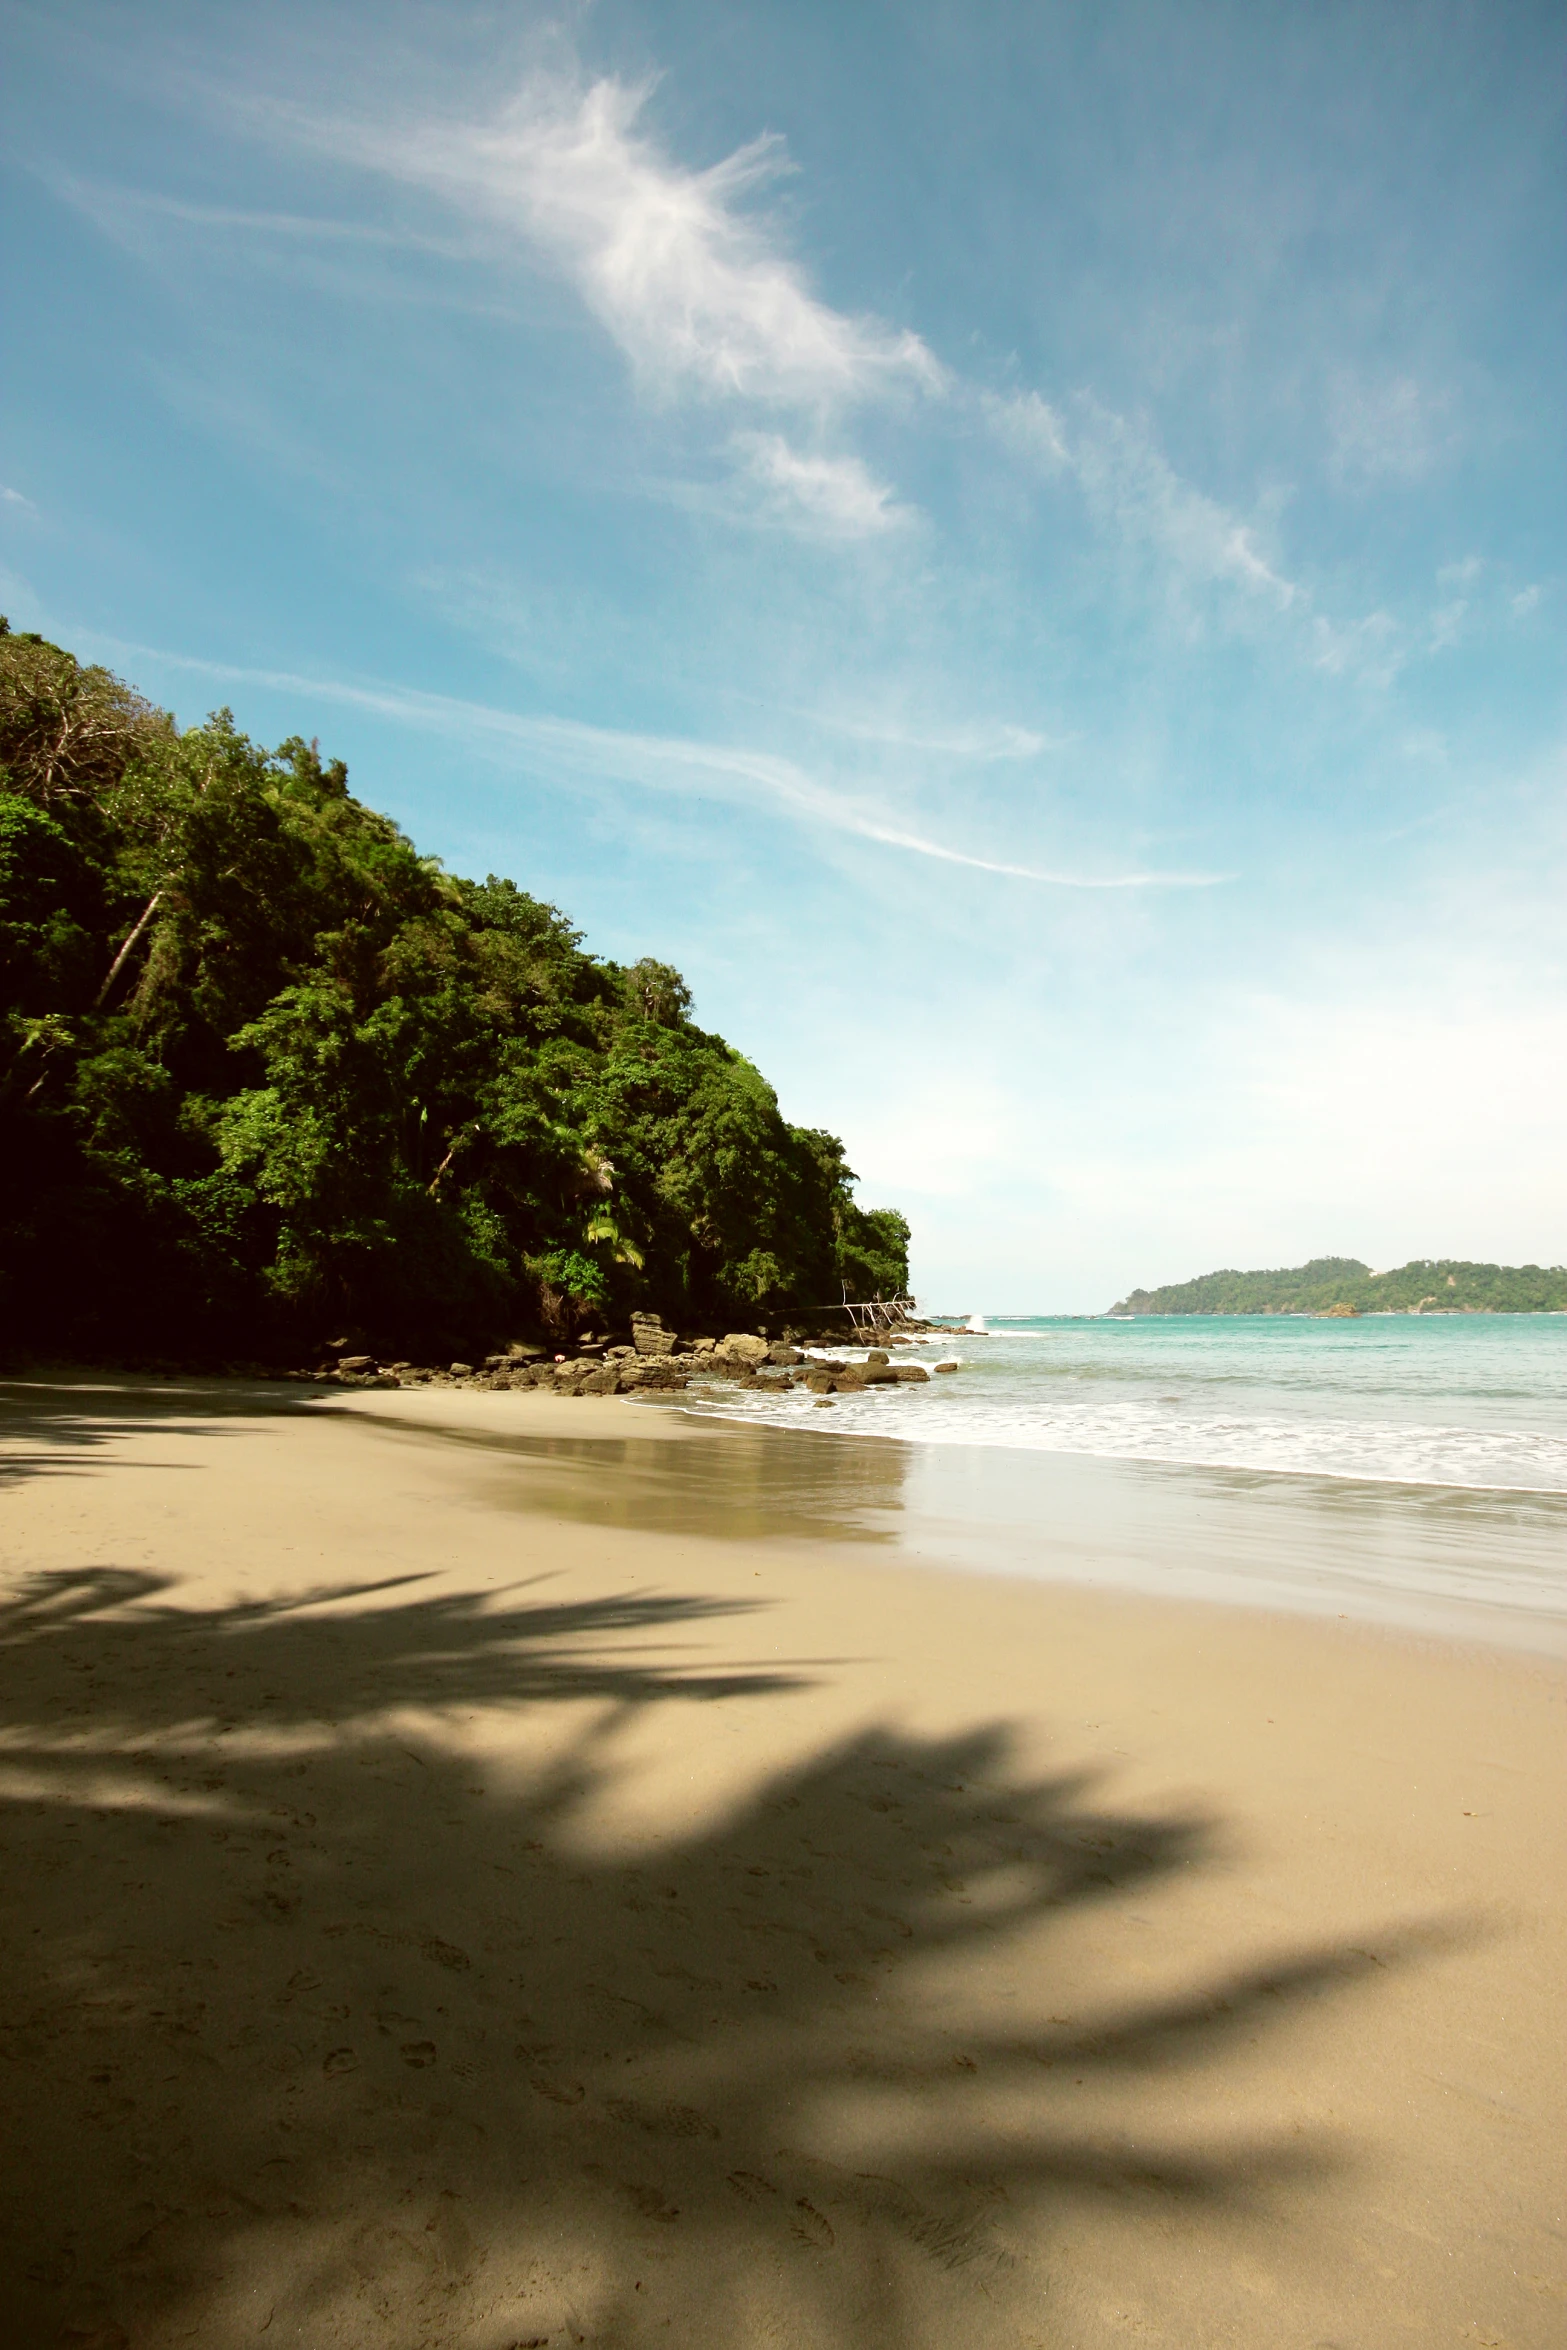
<point>492,1869</point>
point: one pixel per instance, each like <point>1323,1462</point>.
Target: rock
<point>703,1346</point>
<point>823,1403</point>
<point>602,1382</point>
<point>619,1354</point>
<point>877,1354</point>
<point>853,1381</point>
<point>946,1366</point>
<point>819,1382</point>
<point>356,1362</point>
<point>460,1370</point>
<point>778,1352</point>
<point>910,1374</point>
<point>649,1337</point>
<point>744,1347</point>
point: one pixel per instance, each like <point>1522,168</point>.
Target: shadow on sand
<point>317,2031</point>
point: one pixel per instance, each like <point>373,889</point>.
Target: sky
<point>1022,548</point>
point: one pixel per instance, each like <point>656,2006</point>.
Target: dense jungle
<point>266,1072</point>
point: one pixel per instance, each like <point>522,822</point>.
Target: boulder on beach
<point>743,1346</point>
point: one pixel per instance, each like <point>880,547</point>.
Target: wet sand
<point>489,1870</point>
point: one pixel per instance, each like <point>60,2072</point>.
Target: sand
<point>491,1870</point>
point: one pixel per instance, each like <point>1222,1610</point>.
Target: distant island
<point>1342,1285</point>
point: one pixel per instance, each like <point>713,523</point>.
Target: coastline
<point>660,1896</point>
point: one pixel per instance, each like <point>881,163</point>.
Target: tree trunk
<point>118,965</point>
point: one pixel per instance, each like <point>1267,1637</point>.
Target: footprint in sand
<point>811,2228</point>
<point>663,2121</point>
<point>340,2060</point>
<point>650,2202</point>
<point>417,2052</point>
<point>445,1954</point>
<point>751,2186</point>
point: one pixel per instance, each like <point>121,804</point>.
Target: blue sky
<point>1021,547</point>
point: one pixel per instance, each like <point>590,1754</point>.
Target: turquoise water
<point>1474,1401</point>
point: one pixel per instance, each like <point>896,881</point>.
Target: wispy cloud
<point>1131,485</point>
<point>565,746</point>
<point>1194,540</point>
<point>1370,648</point>
<point>10,497</point>
<point>1388,429</point>
<point>1028,426</point>
<point>1130,480</point>
<point>117,210</point>
<point>697,291</point>
<point>985,740</point>
<point>828,497</point>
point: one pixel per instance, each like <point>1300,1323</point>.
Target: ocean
<point>1407,1468</point>
<point>1476,1400</point>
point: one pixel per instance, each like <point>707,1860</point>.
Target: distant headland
<point>1344,1286</point>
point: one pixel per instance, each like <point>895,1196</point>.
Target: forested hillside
<point>266,1071</point>
<point>1426,1285</point>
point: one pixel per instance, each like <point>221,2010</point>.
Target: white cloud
<point>698,292</point>
<point>10,497</point>
<point>831,497</point>
<point>565,746</point>
<point>1524,602</point>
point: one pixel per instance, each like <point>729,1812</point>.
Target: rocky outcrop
<point>649,1337</point>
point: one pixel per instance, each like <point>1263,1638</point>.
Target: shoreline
<point>630,1906</point>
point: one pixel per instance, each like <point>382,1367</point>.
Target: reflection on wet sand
<point>1487,1565</point>
<point>728,1483</point>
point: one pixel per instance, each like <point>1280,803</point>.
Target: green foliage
<point>265,1069</point>
<point>1426,1285</point>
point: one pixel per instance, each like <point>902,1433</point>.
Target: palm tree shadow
<point>309,2019</point>
<point>56,1424</point>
